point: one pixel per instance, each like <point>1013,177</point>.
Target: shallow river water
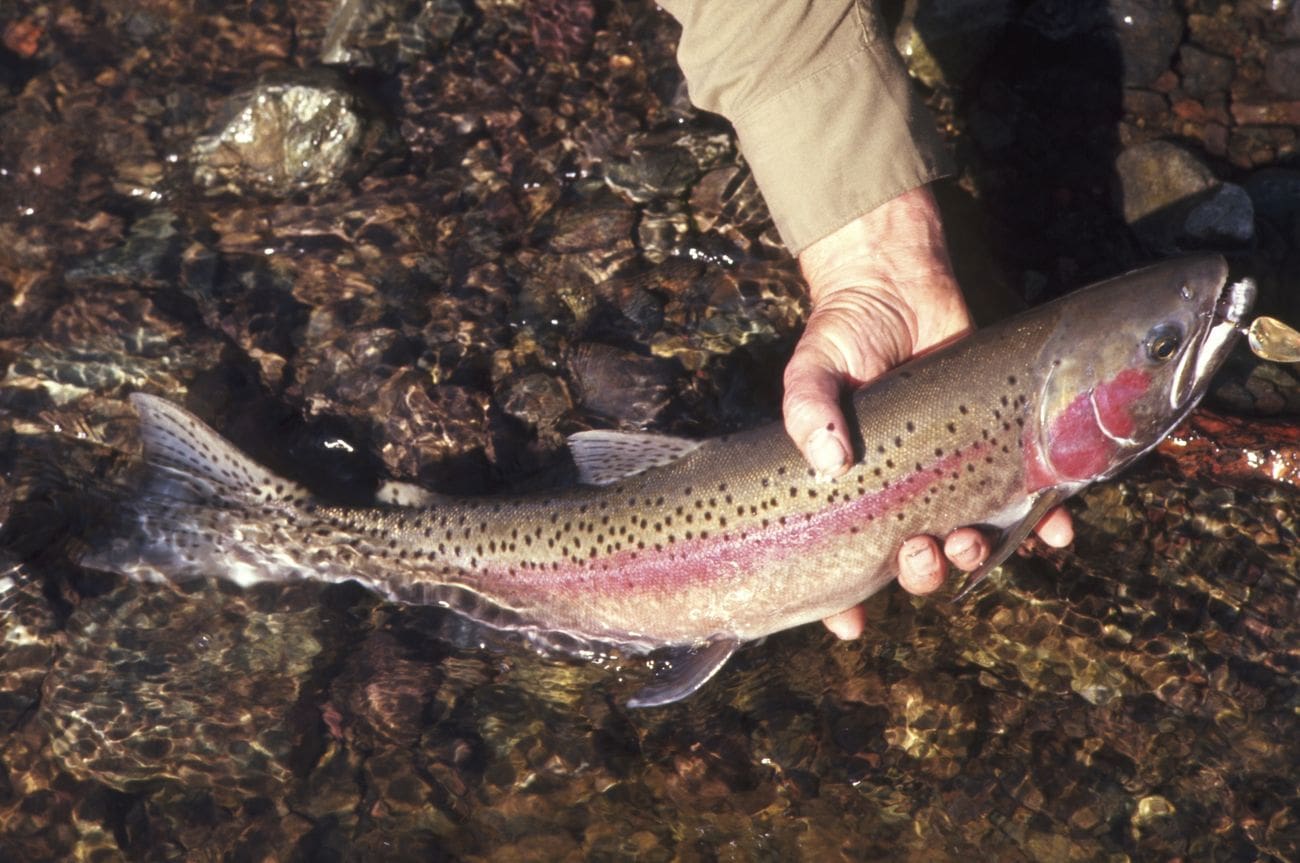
<point>424,241</point>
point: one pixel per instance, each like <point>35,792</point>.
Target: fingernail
<point>922,559</point>
<point>960,547</point>
<point>826,454</point>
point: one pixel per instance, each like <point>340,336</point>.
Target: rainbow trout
<point>704,545</point>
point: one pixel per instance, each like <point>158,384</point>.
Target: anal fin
<point>1012,538</point>
<point>685,672</point>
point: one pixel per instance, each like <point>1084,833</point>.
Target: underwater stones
<point>663,164</point>
<point>1148,32</point>
<point>538,399</point>
<point>382,34</point>
<point>663,228</point>
<point>1282,70</point>
<point>296,131</point>
<point>194,688</point>
<point>422,425</point>
<point>943,42</point>
<point>1241,452</point>
<point>619,385</point>
<point>1172,199</point>
<point>1203,73</point>
<point>382,693</point>
<point>1226,216</point>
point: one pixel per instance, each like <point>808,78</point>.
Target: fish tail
<point>201,508</point>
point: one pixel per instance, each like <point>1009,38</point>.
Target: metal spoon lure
<point>1272,340</point>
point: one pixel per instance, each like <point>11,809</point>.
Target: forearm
<point>821,103</point>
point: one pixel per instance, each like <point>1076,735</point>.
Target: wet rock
<point>151,253</point>
<point>1203,73</point>
<point>943,42</point>
<point>291,132</point>
<point>620,386</point>
<point>656,168</point>
<point>1146,32</point>
<point>1282,71</point>
<point>629,304</point>
<point>728,199</point>
<point>1144,103</point>
<point>662,230</point>
<point>1236,451</point>
<point>382,693</point>
<point>228,674</point>
<point>30,632</point>
<point>1149,32</point>
<point>384,35</point>
<point>1226,216</point>
<point>538,399</point>
<point>1223,33</point>
<point>1170,197</point>
<point>1262,389</point>
<point>1266,113</point>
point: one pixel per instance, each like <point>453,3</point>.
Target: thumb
<point>813,418</point>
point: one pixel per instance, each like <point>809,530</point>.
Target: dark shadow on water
<point>1035,92</point>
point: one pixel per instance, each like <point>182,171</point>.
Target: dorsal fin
<point>192,462</point>
<point>605,457</point>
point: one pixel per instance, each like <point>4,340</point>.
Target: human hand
<point>882,290</point>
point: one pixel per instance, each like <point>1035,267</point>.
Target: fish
<point>696,547</point>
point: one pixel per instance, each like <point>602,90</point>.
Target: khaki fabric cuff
<point>839,143</point>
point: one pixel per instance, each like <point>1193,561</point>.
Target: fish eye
<point>1163,342</point>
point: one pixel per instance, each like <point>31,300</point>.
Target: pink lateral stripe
<point>691,560</point>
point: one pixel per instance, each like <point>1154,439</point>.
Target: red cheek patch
<point>1077,447</point>
<point>1114,398</point>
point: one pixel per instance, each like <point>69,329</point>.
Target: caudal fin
<point>199,504</point>
<point>191,462</point>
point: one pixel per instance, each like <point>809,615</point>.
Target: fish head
<point>1127,360</point>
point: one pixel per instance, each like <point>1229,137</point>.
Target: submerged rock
<point>1203,73</point>
<point>943,42</point>
<point>1226,216</point>
<point>619,385</point>
<point>1172,199</point>
<point>1282,71</point>
<point>289,132</point>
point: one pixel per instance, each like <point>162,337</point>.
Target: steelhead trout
<point>703,545</point>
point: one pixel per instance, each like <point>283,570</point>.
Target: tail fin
<point>189,461</point>
<point>198,507</point>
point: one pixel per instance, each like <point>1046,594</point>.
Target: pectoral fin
<point>1012,538</point>
<point>684,672</point>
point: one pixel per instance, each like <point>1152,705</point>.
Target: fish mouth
<point>1218,335</point>
<point>1235,302</point>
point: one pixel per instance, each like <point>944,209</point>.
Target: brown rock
<point>1267,113</point>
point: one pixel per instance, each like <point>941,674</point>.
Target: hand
<point>882,290</point>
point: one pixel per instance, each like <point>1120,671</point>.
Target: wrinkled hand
<point>882,290</point>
